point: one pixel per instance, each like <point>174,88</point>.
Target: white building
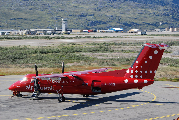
<point>64,25</point>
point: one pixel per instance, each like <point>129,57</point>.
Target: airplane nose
<point>15,86</point>
<point>11,87</point>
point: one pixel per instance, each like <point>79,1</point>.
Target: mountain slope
<point>91,14</point>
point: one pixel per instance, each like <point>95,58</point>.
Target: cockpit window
<point>24,79</point>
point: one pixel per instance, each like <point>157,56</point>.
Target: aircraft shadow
<point>92,102</point>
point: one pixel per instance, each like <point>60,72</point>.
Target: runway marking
<point>159,104</point>
<point>172,86</point>
<point>40,117</point>
<point>5,95</point>
<point>162,117</point>
<point>28,118</point>
<point>101,111</point>
<point>8,80</point>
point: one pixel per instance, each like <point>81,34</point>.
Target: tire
<point>61,99</point>
<point>85,95</point>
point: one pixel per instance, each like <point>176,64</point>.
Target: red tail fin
<point>147,62</point>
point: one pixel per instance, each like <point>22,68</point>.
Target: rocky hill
<point>89,14</point>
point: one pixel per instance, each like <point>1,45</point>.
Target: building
<point>10,32</point>
<point>117,29</point>
<point>64,25</point>
<point>76,31</point>
<point>133,31</point>
<point>171,29</point>
<point>105,31</point>
<point>175,29</point>
<point>142,33</point>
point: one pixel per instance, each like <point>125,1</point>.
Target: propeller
<point>63,67</point>
<point>36,85</point>
<point>36,70</point>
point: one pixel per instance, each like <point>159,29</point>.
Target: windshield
<point>24,79</point>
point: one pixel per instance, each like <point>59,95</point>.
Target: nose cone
<point>14,86</point>
<point>11,87</point>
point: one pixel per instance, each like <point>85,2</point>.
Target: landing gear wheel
<point>85,95</point>
<point>61,99</point>
<point>17,93</point>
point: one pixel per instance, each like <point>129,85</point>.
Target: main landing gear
<point>85,95</point>
<point>61,97</point>
<point>35,94</point>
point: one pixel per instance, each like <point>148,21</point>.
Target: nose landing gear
<point>17,93</point>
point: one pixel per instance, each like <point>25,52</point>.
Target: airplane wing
<point>73,73</point>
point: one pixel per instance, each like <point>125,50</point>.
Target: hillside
<point>91,14</point>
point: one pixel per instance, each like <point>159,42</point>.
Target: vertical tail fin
<point>147,62</point>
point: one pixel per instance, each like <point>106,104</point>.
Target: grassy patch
<point>168,79</point>
<point>19,60</point>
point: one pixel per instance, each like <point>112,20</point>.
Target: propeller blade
<point>36,70</point>
<point>63,67</point>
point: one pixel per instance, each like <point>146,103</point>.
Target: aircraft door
<point>96,86</point>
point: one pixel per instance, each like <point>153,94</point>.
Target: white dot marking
<point>131,76</point>
<point>126,80</point>
<point>155,52</point>
<point>136,76</point>
<point>145,81</point>
<point>135,81</point>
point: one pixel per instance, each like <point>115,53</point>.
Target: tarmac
<point>157,101</point>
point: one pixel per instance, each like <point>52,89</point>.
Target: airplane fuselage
<point>92,84</point>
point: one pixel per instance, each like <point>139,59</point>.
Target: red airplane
<point>96,81</point>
